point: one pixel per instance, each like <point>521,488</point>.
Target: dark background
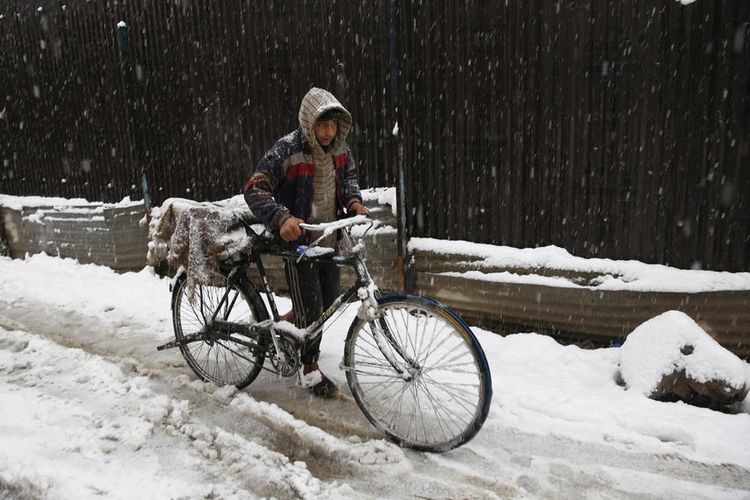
<point>612,128</point>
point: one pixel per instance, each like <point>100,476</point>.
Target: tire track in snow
<point>221,419</point>
<point>122,413</point>
<point>505,463</point>
<point>575,465</point>
<point>329,452</point>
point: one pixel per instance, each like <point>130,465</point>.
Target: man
<point>308,176</point>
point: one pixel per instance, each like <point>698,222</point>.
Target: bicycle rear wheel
<point>431,390</point>
<point>214,359</point>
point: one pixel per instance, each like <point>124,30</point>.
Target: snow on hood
<point>315,103</point>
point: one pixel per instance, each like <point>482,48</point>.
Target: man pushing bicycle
<point>308,176</point>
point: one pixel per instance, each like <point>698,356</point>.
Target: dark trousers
<point>313,287</point>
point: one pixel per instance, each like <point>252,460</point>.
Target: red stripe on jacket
<point>340,160</point>
<point>300,170</point>
<point>262,182</point>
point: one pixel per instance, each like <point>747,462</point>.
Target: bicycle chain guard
<point>286,362</point>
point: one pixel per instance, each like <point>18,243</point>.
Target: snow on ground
<point>91,409</point>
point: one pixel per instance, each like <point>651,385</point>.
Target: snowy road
<point>91,409</point>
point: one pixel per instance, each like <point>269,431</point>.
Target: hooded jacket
<point>282,185</point>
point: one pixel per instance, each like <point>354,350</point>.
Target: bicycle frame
<point>363,287</point>
<point>414,368</point>
<point>313,330</point>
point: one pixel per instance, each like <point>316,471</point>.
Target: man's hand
<point>290,230</point>
<point>358,209</point>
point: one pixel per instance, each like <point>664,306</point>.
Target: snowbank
<point>672,342</point>
<point>383,196</point>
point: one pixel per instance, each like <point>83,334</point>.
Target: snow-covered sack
<point>198,236</point>
<point>670,357</point>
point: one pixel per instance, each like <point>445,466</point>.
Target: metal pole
<point>402,235</point>
<point>123,37</point>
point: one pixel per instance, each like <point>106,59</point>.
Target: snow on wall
<point>614,274</point>
<point>111,234</point>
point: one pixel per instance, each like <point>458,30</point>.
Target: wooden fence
<point>613,128</point>
<point>190,92</point>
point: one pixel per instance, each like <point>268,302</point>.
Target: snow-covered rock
<point>670,357</point>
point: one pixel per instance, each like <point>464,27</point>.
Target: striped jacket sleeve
<point>259,189</point>
<point>351,192</point>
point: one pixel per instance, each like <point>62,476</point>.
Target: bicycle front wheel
<point>419,374</point>
<point>215,359</point>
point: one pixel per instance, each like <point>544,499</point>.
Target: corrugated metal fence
<point>613,128</point>
<point>192,94</point>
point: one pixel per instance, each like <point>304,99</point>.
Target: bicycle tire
<point>427,412</point>
<point>215,360</point>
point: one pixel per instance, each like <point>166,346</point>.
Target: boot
<point>319,384</point>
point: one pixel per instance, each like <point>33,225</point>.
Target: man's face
<point>325,131</point>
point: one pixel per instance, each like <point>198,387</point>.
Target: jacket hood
<point>314,104</point>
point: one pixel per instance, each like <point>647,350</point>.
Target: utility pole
<point>404,267</point>
<point>126,75</point>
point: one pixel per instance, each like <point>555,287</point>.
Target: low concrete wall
<point>109,235</point>
<point>582,314</point>
<point>114,236</point>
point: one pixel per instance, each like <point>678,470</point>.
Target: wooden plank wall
<point>203,91</point>
<point>612,128</point>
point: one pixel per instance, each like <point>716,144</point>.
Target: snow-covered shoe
<point>320,385</point>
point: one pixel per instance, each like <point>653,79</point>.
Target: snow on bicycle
<point>414,368</point>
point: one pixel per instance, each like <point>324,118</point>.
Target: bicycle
<point>414,367</point>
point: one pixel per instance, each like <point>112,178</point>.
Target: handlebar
<point>261,237</point>
<point>329,227</point>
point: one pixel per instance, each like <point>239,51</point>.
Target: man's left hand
<point>358,209</point>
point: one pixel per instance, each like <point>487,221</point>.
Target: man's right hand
<point>290,229</point>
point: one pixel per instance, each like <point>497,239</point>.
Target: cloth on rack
<point>197,236</point>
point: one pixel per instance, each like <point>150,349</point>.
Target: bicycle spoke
<point>215,359</point>
<point>382,386</point>
<point>436,411</point>
<point>434,337</point>
<point>459,398</point>
<point>399,402</point>
<point>450,364</point>
<point>440,399</point>
<point>409,338</point>
<point>439,408</point>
